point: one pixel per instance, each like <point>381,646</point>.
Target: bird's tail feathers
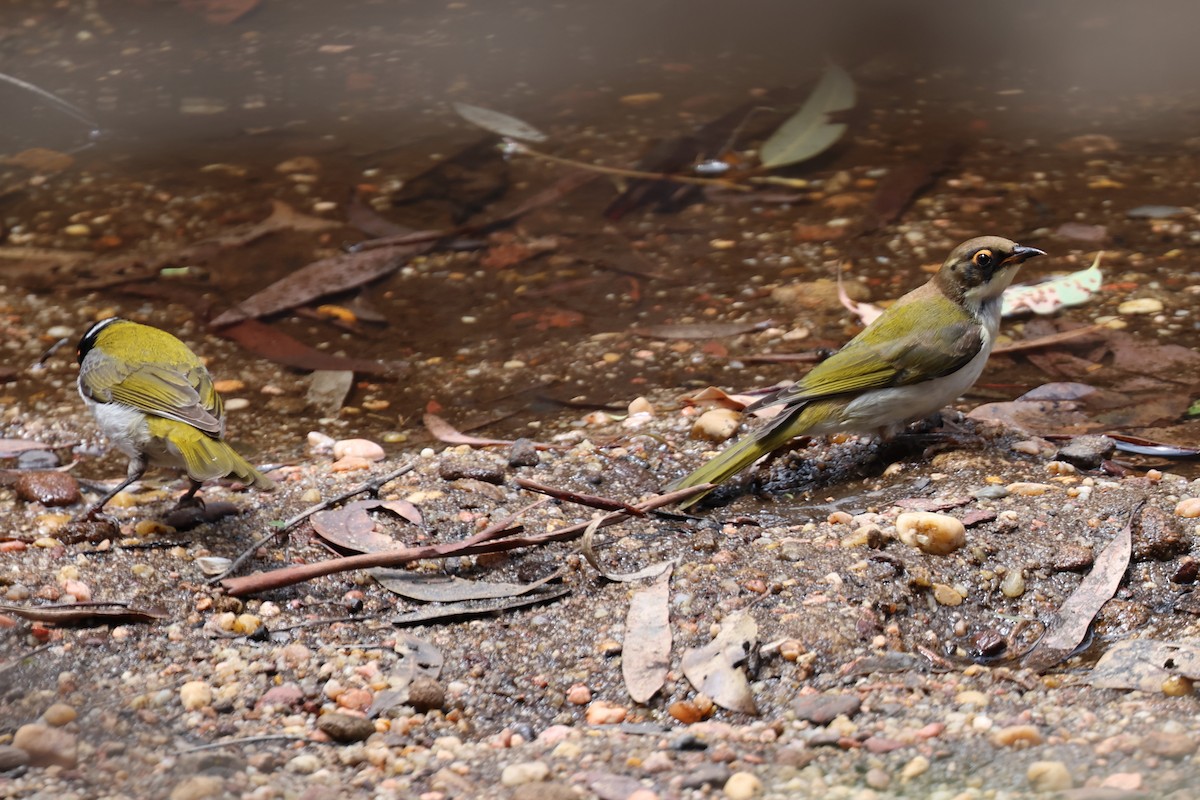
<point>207,458</point>
<point>741,454</point>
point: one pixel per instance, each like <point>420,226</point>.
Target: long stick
<point>287,576</point>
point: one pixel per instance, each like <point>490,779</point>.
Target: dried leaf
<point>455,611</point>
<point>698,330</point>
<point>712,396</point>
<point>328,388</point>
<point>275,345</point>
<point>713,669</point>
<point>39,159</point>
<point>320,278</point>
<point>418,659</point>
<point>449,589</point>
<point>1075,617</point>
<point>90,613</point>
<point>646,653</point>
<point>445,432</point>
<point>220,12</point>
<point>352,528</point>
<point>498,123</point>
<point>1049,296</point>
<point>589,553</point>
<point>809,132</point>
<point>14,447</point>
<point>1144,664</point>
<point>866,312</point>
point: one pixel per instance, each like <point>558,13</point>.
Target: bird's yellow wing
<point>154,389</point>
<point>890,356</point>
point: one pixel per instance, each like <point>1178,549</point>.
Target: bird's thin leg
<point>137,467</point>
<point>190,498</point>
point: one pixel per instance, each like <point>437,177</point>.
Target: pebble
<point>298,164</point>
<point>426,694</point>
<point>706,775</point>
<point>345,727</point>
<point>1087,452</point>
<point>579,694</point>
<point>304,764</point>
<point>524,772</point>
<point>743,786</point>
<point>947,595</point>
<point>685,711</point>
<point>821,709</point>
<point>1188,508</point>
<point>1027,489</point>
<point>523,454</point>
<point>12,757</point>
<point>1073,558</point>
<point>1013,584</point>
<point>46,746</point>
<point>286,694</point>
<point>47,488</point>
<point>602,712</point>
<point>716,424</point>
<point>350,464</point>
<point>360,448</point>
<point>1140,305</point>
<point>320,443</point>
<point>550,790</point>
<point>1168,745</point>
<point>58,714</point>
<point>1014,735</point>
<point>1158,537</point>
<point>1049,776</point>
<point>195,695</point>
<point>1125,781</point>
<point>936,534</point>
<point>198,787</point>
<point>918,766</point>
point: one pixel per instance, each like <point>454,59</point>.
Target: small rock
<point>360,448</point>
<point>195,695</point>
<point>524,772</point>
<point>685,711</point>
<point>1168,745</point>
<point>12,757</point>
<point>946,595</point>
<point>550,790</point>
<point>1188,508</point>
<point>1140,305</point>
<point>287,695</point>
<point>345,727</point>
<point>601,712</point>
<point>706,775</point>
<point>46,746</point>
<point>579,694</point>
<point>1049,776</point>
<point>1157,536</point>
<point>1073,558</point>
<point>1014,735</point>
<point>743,786</point>
<point>58,715</point>
<point>298,164</point>
<point>1125,781</point>
<point>47,488</point>
<point>936,534</point>
<point>1158,212</point>
<point>523,454</point>
<point>426,694</point>
<point>716,424</point>
<point>1013,584</point>
<point>198,787</point>
<point>486,471</point>
<point>1027,489</point>
<point>1087,452</point>
<point>918,766</point>
<point>304,764</point>
<point>821,709</point>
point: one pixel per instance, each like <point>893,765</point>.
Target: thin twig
<point>16,662</point>
<point>492,540</point>
<point>274,737</point>
<point>589,500</point>
<point>521,149</point>
<point>373,485</point>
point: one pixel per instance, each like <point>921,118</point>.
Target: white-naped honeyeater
<point>154,399</point>
<point>924,351</point>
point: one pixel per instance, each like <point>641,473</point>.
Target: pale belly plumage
<point>126,428</point>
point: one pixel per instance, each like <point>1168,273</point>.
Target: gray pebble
<point>345,727</point>
<point>1087,452</point>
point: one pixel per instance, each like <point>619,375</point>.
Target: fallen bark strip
<point>487,541</point>
<point>589,500</point>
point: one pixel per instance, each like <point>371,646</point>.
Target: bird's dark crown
<point>89,339</point>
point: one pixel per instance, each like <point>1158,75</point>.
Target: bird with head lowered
<point>924,351</point>
<point>154,399</point>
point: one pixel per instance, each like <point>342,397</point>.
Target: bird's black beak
<point>1021,253</point>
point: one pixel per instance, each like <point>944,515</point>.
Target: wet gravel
<point>887,659</point>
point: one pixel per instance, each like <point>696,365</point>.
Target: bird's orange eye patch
<point>983,258</point>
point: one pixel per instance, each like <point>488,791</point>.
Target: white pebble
<point>936,534</point>
<point>361,448</point>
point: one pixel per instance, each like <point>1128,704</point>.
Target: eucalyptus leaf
<point>809,132</point>
<point>498,123</point>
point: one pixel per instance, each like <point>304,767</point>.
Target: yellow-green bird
<point>154,399</point>
<point>924,351</point>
